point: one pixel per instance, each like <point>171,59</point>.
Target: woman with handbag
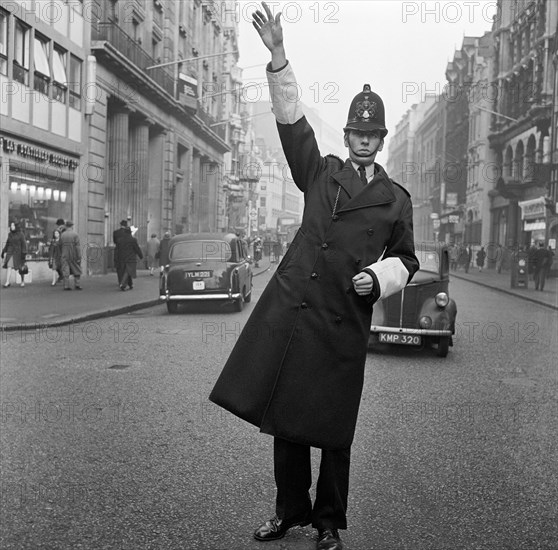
<point>54,257</point>
<point>14,250</point>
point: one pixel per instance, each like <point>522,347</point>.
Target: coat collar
<point>378,191</point>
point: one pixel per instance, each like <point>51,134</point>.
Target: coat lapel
<point>378,191</point>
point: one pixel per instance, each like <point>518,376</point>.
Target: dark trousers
<point>293,478</point>
<point>540,278</point>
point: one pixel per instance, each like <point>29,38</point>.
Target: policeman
<point>301,380</point>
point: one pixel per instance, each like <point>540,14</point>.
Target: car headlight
<point>441,299</point>
<point>425,322</point>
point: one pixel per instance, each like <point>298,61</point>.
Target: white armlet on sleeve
<point>285,96</point>
<point>392,275</point>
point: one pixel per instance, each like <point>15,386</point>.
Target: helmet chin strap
<point>366,156</point>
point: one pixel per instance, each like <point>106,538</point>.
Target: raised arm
<point>297,137</point>
<point>271,33</point>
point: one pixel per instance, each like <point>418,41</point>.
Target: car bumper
<point>411,331</point>
<point>198,297</point>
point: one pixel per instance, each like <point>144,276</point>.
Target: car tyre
<point>443,346</point>
<point>248,297</point>
<point>239,304</point>
<point>172,307</point>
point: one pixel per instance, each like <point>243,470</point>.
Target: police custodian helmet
<point>366,113</point>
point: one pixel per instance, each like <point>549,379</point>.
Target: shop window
<point>41,80</point>
<point>3,42</point>
<point>36,205</point>
<point>75,82</point>
<point>60,82</point>
<point>21,53</point>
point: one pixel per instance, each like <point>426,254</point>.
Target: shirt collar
<point>370,169</point>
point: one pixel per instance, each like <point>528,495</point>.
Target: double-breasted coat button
<point>335,217</point>
<point>325,246</point>
<point>314,275</point>
<point>304,305</point>
<point>338,319</point>
<point>357,261</point>
<point>370,231</point>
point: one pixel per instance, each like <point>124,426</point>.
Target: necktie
<point>362,174</point>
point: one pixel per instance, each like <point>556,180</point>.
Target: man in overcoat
<point>117,234</point>
<point>128,253</point>
<point>70,256</point>
<point>297,368</point>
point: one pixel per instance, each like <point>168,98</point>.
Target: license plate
<point>406,339</point>
<point>196,274</point>
<point>198,285</point>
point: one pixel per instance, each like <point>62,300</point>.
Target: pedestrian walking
<point>258,248</point>
<point>300,380</point>
<point>70,256</point>
<point>531,261</point>
<point>128,253</point>
<point>164,249</point>
<point>542,262</point>
<point>481,255</point>
<point>152,250</point>
<point>117,234</point>
<point>14,253</point>
<point>55,258</point>
<point>453,256</point>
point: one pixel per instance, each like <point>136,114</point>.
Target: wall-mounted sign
<point>37,154</point>
<point>532,209</point>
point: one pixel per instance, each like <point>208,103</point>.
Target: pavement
<point>39,304</point>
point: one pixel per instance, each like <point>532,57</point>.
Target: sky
<point>400,48</point>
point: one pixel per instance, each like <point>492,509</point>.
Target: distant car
<point>422,314</point>
<point>206,267</point>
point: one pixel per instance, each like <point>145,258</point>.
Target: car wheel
<point>172,307</point>
<point>248,297</point>
<point>443,346</point>
<point>239,304</point>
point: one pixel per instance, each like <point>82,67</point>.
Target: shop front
<point>533,221</point>
<point>37,190</point>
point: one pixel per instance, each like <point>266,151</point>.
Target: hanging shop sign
<point>532,209</point>
<point>37,154</point>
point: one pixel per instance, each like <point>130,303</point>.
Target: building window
<point>156,49</point>
<point>77,6</point>
<point>262,202</point>
<point>74,83</point>
<point>60,83</point>
<point>42,76</point>
<point>34,204</point>
<point>3,42</point>
<point>21,53</point>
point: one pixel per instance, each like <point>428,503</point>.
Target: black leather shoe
<point>276,528</point>
<point>328,539</point>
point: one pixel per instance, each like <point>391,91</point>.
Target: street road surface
<point>108,440</point>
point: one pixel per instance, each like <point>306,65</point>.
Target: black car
<point>422,314</point>
<point>206,267</point>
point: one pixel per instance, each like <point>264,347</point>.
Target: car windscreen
<point>205,250</point>
<point>429,261</point>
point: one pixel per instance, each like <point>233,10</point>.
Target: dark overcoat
<point>15,248</point>
<point>70,253</point>
<point>128,252</point>
<point>297,368</point>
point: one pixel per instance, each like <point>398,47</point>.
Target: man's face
<point>363,146</point>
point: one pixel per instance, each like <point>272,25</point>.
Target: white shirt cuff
<point>392,276</point>
<point>285,95</point>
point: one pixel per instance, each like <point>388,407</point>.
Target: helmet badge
<point>366,109</point>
